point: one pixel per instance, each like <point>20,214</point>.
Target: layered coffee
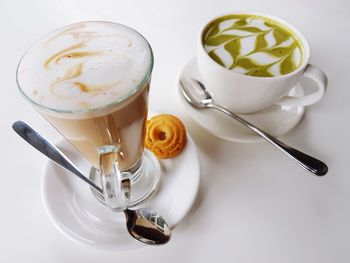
<point>252,45</point>
<point>91,81</point>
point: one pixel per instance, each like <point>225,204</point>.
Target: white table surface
<point>254,205</point>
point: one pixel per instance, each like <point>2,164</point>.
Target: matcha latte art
<point>252,45</point>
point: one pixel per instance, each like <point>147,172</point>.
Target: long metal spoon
<point>199,97</point>
<point>143,224</point>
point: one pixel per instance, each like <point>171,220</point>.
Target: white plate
<point>78,215</point>
<point>276,120</point>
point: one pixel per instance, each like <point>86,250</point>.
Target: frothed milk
<point>91,81</point>
<point>253,45</point>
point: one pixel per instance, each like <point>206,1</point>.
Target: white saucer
<point>81,217</point>
<point>276,120</point>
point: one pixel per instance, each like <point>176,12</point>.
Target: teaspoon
<point>143,224</point>
<point>199,97</point>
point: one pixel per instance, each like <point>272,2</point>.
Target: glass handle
<point>115,184</point>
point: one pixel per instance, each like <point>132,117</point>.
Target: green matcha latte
<point>252,45</point>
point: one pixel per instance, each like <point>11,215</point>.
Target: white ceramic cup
<point>246,94</point>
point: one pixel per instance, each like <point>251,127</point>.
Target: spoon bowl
<point>147,226</point>
<point>195,93</point>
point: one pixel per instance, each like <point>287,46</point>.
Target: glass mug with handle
<point>90,80</point>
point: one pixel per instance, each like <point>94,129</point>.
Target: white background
<point>254,205</point>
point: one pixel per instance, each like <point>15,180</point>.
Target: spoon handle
<point>308,162</point>
<point>50,150</point>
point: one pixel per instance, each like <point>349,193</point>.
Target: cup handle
<point>319,78</point>
<point>115,184</point>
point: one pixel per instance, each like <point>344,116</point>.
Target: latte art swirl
<point>252,45</point>
<point>84,66</point>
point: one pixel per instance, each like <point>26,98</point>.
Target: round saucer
<point>276,120</point>
<point>74,210</point>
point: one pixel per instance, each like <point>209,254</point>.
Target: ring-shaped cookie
<point>165,136</point>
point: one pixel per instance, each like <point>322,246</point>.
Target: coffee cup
<point>91,81</point>
<point>250,61</point>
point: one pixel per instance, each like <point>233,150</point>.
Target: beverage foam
<point>84,66</point>
<point>253,45</point>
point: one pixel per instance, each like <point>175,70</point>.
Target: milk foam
<point>253,46</point>
<point>84,66</point>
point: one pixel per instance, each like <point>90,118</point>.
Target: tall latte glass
<point>90,80</point>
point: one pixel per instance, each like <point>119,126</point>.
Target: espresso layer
<point>124,128</point>
<point>252,45</point>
